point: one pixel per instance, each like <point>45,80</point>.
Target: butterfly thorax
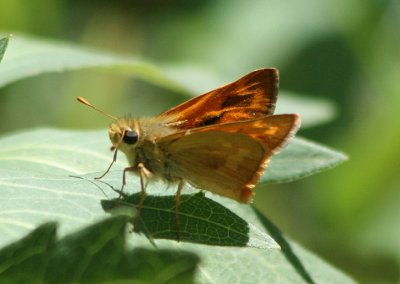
<point>138,140</point>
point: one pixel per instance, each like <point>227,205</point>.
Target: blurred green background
<point>346,52</point>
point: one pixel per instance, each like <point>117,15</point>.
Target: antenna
<point>85,102</point>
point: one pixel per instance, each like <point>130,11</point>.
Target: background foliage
<point>343,53</point>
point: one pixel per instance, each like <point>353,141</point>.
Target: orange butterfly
<point>220,141</point>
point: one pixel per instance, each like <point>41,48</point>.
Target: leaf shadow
<point>286,248</point>
<point>201,219</point>
<point>94,254</point>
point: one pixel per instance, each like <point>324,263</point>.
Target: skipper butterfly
<point>220,141</point>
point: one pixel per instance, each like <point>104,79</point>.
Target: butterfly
<point>220,141</point>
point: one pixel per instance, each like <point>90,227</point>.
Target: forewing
<point>250,97</point>
<point>228,159</point>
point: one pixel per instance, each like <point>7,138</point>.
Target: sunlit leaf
<point>28,56</point>
<point>36,186</point>
<point>36,168</point>
<point>301,158</point>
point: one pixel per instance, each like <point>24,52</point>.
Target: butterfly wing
<point>228,159</point>
<point>250,97</point>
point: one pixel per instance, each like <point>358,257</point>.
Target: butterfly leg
<point>109,167</point>
<point>177,202</point>
<point>128,169</point>
<point>143,172</point>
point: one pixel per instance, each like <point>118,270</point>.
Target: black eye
<point>130,137</point>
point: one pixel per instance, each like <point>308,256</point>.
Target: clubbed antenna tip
<point>85,102</point>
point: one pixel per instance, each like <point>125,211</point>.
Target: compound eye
<point>130,137</point>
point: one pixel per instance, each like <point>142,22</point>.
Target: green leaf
<point>299,159</point>
<point>250,265</point>
<point>29,255</point>
<point>35,169</point>
<point>35,176</point>
<point>287,249</point>
<point>201,220</point>
<point>94,254</point>
<point>28,56</point>
<point>36,186</point>
<point>3,46</point>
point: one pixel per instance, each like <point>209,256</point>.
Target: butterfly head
<point>124,134</point>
